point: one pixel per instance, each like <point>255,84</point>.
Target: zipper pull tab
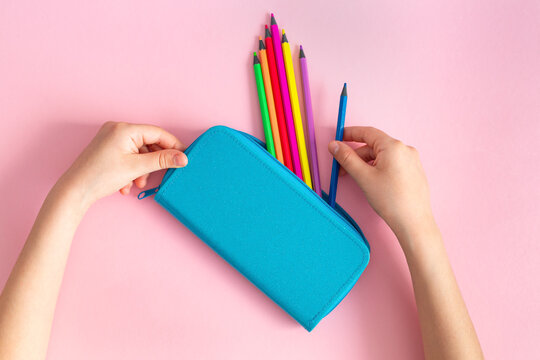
<point>147,193</point>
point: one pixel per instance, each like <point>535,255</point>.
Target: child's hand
<point>122,154</point>
<point>391,175</point>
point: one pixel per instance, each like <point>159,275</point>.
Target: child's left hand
<point>122,154</point>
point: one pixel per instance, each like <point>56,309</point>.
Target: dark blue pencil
<point>339,137</point>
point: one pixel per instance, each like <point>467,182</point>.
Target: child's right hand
<point>391,175</point>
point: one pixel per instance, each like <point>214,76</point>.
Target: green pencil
<point>264,106</point>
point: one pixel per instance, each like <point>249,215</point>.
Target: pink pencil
<point>276,38</point>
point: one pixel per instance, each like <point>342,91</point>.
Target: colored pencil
<point>314,160</point>
<point>270,100</point>
<point>278,52</point>
<point>264,106</point>
<point>283,136</point>
<point>339,137</point>
<point>295,106</point>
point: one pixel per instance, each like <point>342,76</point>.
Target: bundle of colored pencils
<point>280,108</point>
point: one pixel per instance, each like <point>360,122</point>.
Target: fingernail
<point>334,146</point>
<point>180,160</point>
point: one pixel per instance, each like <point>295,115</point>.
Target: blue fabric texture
<point>266,223</point>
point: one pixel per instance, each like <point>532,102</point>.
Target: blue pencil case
<point>266,222</point>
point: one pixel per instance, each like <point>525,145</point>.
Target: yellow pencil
<point>297,117</point>
<point>270,101</point>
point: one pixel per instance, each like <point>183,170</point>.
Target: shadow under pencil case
<point>266,222</point>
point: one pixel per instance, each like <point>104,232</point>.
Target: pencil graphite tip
<point>255,59</point>
<point>273,20</point>
<point>284,38</point>
<point>344,91</point>
<point>302,55</point>
<point>261,44</point>
<point>267,32</point>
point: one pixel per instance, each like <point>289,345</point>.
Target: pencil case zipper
<point>342,214</point>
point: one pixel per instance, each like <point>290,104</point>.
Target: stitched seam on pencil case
<point>208,136</point>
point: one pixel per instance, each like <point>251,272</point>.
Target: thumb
<point>350,161</point>
<point>162,159</point>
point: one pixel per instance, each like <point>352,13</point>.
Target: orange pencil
<point>270,100</point>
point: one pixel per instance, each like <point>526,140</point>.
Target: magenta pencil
<point>310,125</point>
<point>276,39</point>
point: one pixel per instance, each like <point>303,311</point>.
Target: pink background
<point>460,80</point>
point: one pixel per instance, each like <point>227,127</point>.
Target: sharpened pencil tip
<point>344,91</point>
<point>267,32</point>
<point>255,59</point>
<point>273,20</point>
<point>284,38</point>
<point>302,55</point>
<point>261,44</point>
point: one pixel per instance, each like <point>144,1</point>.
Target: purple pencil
<point>276,39</point>
<point>311,127</point>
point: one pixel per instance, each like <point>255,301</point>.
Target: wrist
<point>418,234</point>
<point>68,190</point>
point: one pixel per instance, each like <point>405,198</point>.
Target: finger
<point>150,134</point>
<point>141,181</point>
<point>371,136</point>
<point>125,190</point>
<point>143,149</point>
<point>366,153</point>
<point>154,147</point>
<point>350,160</point>
<point>157,160</point>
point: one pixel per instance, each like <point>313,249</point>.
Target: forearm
<point>447,330</point>
<point>29,297</point>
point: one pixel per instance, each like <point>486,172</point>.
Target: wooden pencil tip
<point>302,55</point>
<point>284,38</point>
